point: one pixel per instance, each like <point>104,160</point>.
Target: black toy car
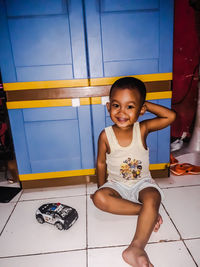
<point>62,216</point>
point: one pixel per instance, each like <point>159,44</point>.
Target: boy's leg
<point>135,254</point>
<point>109,200</point>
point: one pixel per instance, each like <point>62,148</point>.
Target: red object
<point>3,129</point>
<point>173,160</point>
<point>184,169</point>
<point>185,68</point>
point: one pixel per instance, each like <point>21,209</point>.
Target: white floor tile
<point>192,158</point>
<point>169,254</point>
<point>5,211</point>
<point>193,246</point>
<point>51,192</point>
<point>71,259</point>
<point>183,206</point>
<point>177,181</point>
<point>16,198</point>
<point>161,255</point>
<point>34,244</point>
<point>106,257</point>
<point>106,229</point>
<point>24,235</point>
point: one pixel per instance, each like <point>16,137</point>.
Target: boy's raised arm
<point>101,160</point>
<point>164,117</point>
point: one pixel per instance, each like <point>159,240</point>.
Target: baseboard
<point>75,180</point>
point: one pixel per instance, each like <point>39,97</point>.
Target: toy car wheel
<point>40,219</point>
<point>59,225</point>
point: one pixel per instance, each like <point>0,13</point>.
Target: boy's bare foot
<point>136,257</point>
<point>158,223</point>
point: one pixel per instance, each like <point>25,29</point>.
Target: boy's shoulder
<point>102,135</point>
<point>103,141</point>
<point>103,132</point>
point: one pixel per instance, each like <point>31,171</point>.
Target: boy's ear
<point>143,109</point>
<point>108,106</point>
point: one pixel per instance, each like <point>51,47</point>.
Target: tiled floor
<point>97,239</point>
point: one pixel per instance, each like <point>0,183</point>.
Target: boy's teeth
<point>121,119</point>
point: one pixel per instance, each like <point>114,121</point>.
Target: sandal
<point>184,169</point>
<point>173,160</point>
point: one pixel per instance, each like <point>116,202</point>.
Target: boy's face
<point>125,107</point>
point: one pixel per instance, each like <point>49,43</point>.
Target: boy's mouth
<point>122,120</point>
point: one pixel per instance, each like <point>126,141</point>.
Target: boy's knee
<point>151,197</point>
<point>100,200</point>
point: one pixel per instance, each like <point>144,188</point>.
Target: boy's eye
<point>130,106</point>
<point>115,105</point>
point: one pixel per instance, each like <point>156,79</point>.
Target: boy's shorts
<point>131,193</point>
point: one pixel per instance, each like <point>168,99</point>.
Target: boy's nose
<point>122,110</point>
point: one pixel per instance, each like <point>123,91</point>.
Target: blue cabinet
<point>129,37</point>
<point>52,139</point>
<point>64,40</point>
<point>42,40</point>
<point>62,139</point>
<point>46,44</point>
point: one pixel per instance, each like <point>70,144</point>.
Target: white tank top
<point>129,164</point>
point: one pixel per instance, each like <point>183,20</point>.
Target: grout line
<point>181,239</point>
<point>92,248</point>
<point>172,221</point>
<point>15,204</point>
<point>18,199</point>
<point>44,253</point>
<point>125,245</point>
<point>189,252</point>
<point>87,248</point>
<point>179,186</point>
<point>111,246</point>
<point>36,199</point>
<point>192,238</point>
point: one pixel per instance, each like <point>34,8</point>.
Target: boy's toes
<point>156,227</point>
<point>158,224</point>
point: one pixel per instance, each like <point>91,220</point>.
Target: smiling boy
<point>124,180</point>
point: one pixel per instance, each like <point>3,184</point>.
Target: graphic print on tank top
<point>131,169</point>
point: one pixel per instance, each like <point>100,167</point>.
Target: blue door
<point>52,139</point>
<point>42,40</point>
<point>129,37</point>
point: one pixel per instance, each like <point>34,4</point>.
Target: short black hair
<point>130,83</point>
